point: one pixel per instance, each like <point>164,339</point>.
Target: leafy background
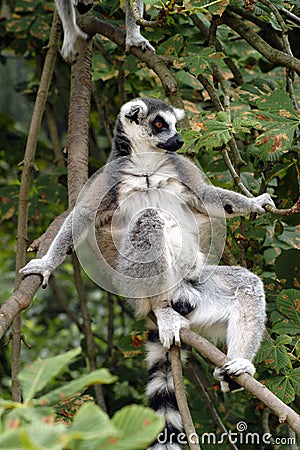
<point>265,124</point>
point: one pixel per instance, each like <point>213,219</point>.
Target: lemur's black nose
<point>174,143</point>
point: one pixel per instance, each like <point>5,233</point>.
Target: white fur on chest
<point>149,172</point>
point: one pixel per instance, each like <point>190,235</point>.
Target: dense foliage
<point>238,96</point>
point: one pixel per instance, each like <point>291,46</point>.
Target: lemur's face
<point>150,125</point>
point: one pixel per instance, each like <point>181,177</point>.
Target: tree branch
<point>181,396</point>
<point>159,22</point>
<point>78,121</point>
<point>271,54</point>
<point>209,351</point>
<point>28,164</point>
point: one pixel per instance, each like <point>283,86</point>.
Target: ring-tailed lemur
<point>163,204</point>
<point>66,10</point>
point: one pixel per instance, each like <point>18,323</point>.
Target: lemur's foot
<point>169,323</point>
<point>37,267</point>
<point>137,40</point>
<point>235,367</point>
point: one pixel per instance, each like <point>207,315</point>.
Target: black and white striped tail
<point>160,391</point>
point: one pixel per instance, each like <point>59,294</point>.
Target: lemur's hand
<point>38,267</point>
<point>258,203</point>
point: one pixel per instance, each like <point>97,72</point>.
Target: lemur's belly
<point>181,240</point>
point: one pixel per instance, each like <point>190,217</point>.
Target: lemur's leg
<point>245,327</point>
<point>133,34</point>
<point>232,298</point>
<point>160,392</point>
<point>66,11</point>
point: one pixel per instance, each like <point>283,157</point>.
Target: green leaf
<point>273,354</point>
<point>91,427</point>
<point>291,236</point>
<point>100,376</point>
<point>140,426</point>
<point>288,303</point>
<point>279,121</point>
<point>35,376</point>
<point>284,339</point>
<point>285,387</point>
<point>215,133</point>
<point>197,64</point>
<point>279,103</point>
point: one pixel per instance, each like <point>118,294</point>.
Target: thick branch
<point>78,123</point>
<point>209,351</point>
<point>91,25</point>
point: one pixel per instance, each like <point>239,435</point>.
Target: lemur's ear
<point>179,113</point>
<point>134,110</point>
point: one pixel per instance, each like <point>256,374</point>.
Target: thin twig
<point>286,47</point>
<point>197,376</point>
<point>271,54</point>
<point>87,329</point>
<point>289,15</point>
<point>145,23</point>
<point>293,439</point>
<point>238,78</point>
<point>265,422</point>
<point>102,119</point>
<point>232,143</point>
<point>284,212</point>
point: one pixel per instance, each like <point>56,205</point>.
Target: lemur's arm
<point>232,203</point>
<point>216,201</point>
<point>58,249</point>
<point>96,199</point>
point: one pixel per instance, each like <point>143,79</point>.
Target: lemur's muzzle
<point>174,143</point>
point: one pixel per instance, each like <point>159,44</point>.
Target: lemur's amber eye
<point>158,125</point>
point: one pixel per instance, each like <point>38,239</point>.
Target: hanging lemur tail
<point>160,391</point>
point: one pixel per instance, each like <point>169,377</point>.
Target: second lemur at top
<point>66,10</point>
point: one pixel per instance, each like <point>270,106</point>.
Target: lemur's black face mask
<point>174,143</point>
